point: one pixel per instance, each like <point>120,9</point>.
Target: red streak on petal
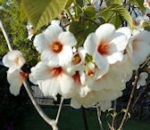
<point>134,44</point>
<point>56,71</point>
<point>76,78</point>
<point>103,48</point>
<point>24,75</point>
<point>56,47</point>
<point>76,59</point>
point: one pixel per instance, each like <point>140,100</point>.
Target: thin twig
<point>59,110</point>
<point>99,117</point>
<point>114,117</point>
<point>51,122</point>
<point>129,102</point>
<point>38,108</point>
<point>5,35</point>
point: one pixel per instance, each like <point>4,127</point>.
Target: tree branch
<point>129,102</point>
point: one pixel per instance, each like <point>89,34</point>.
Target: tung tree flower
<point>106,45</point>
<point>55,46</point>
<point>139,47</point>
<point>14,59</point>
<point>52,80</point>
<point>15,78</point>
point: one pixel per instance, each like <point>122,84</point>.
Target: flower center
<point>17,60</point>
<point>103,48</point>
<point>90,74</point>
<point>23,75</point>
<point>76,59</point>
<point>76,77</point>
<point>57,71</point>
<point>56,47</point>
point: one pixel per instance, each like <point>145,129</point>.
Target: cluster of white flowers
<point>64,70</point>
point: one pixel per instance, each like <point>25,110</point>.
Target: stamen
<point>56,47</point>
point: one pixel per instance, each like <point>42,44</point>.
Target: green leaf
<point>90,12</point>
<point>116,21</point>
<point>68,4</point>
<point>108,2</point>
<point>41,12</point>
<point>139,4</point>
<point>116,9</point>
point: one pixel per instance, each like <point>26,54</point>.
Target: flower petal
<point>14,59</point>
<point>67,38</point>
<point>90,43</point>
<point>105,32</point>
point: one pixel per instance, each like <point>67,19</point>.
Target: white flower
<point>55,46</point>
<point>142,79</point>
<point>52,80</point>
<point>106,45</point>
<point>13,59</point>
<point>140,20</point>
<point>139,47</point>
<point>77,62</point>
<point>15,78</point>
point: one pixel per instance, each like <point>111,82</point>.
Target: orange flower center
<point>56,71</point>
<point>103,48</point>
<point>76,59</point>
<point>91,74</point>
<point>17,60</point>
<point>56,47</point>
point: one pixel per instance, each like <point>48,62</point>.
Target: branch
<point>5,35</point>
<point>129,102</point>
<point>99,117</point>
<point>51,122</point>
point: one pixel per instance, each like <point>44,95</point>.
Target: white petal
<point>67,38</point>
<point>15,90</point>
<point>75,104</point>
<point>49,58</point>
<point>112,59</point>
<point>126,31</point>
<point>90,43</point>
<point>101,62</point>
<point>67,86</point>
<point>15,80</point>
<point>120,41</point>
<point>40,42</point>
<point>65,56</point>
<point>52,32</point>
<point>105,32</point>
<point>40,72</point>
<point>14,59</point>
